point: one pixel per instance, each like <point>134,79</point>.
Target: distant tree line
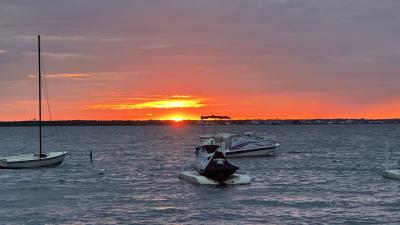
<point>195,122</point>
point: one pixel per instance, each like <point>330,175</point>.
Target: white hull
<point>242,145</point>
<point>252,152</point>
<point>392,174</point>
<point>32,160</point>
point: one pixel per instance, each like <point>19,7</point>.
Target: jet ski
<point>210,162</point>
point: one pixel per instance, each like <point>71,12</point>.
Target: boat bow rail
<point>3,162</point>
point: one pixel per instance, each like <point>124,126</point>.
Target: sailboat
<point>40,159</point>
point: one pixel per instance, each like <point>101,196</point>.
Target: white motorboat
<point>211,162</point>
<point>40,159</point>
<point>240,145</point>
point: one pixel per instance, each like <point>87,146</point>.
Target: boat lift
<point>195,178</point>
<point>389,173</point>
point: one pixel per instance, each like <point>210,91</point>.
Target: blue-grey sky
<point>250,59</point>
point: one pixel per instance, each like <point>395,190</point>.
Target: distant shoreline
<point>196,122</point>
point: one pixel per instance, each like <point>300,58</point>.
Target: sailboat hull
<point>32,161</point>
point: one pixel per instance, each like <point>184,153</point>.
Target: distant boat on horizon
<point>40,159</point>
<point>215,117</point>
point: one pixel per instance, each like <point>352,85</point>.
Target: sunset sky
<point>180,59</point>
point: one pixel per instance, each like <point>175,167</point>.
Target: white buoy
<point>195,178</point>
<point>388,173</point>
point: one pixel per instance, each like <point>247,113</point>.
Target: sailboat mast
<point>40,101</point>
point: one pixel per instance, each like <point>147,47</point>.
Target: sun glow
<point>177,119</point>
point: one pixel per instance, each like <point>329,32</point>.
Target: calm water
<point>328,174</point>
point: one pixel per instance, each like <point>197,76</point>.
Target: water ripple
<point>327,174</point>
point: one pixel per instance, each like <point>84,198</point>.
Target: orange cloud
<point>66,75</point>
<point>63,56</point>
<point>62,75</point>
<point>175,102</point>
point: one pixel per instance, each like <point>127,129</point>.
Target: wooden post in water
<point>91,157</point>
<point>387,156</point>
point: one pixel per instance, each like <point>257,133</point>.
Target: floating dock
<point>195,178</point>
<point>392,174</point>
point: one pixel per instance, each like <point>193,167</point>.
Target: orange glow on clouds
<point>61,75</point>
<point>67,75</point>
<point>180,108</point>
<point>175,102</point>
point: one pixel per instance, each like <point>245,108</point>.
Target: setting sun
<point>177,119</point>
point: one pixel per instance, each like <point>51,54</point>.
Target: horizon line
<point>144,120</point>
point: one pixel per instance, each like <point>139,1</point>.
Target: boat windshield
<point>210,148</point>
